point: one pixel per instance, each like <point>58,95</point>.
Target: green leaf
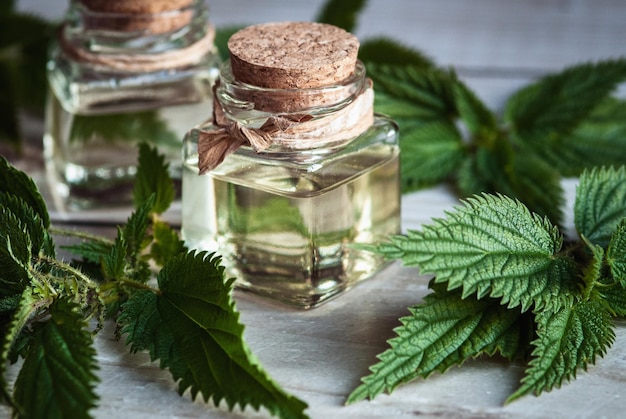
<point>114,264</point>
<point>41,241</point>
<point>480,121</point>
<point>92,251</point>
<point>136,227</point>
<point>520,176</point>
<point>616,254</point>
<point>413,93</point>
<point>341,13</point>
<point>599,140</point>
<point>614,296</point>
<point>153,178</point>
<point>167,243</point>
<point>147,331</point>
<point>492,246</point>
<point>6,7</point>
<point>558,103</point>
<point>600,204</point>
<point>593,272</point>
<point>57,379</point>
<point>20,29</point>
<point>18,183</point>
<point>15,254</point>
<point>139,320</point>
<point>430,153</point>
<point>444,331</point>
<point>27,308</point>
<point>389,51</point>
<point>568,340</point>
<point>195,302</point>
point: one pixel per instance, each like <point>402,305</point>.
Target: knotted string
<point>167,60</point>
<point>293,131</point>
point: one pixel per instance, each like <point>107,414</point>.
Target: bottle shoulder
<point>84,89</point>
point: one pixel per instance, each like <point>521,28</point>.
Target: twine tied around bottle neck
<point>137,63</point>
<point>291,131</point>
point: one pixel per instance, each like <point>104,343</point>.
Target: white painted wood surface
<point>319,355</point>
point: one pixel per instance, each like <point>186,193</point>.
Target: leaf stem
<point>80,235</point>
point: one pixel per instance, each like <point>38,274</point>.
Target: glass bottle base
<point>297,247</point>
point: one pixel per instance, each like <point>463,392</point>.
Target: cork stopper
<point>292,55</point>
<point>150,16</point>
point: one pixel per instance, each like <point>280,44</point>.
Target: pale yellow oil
<point>92,158</point>
<point>293,235</point>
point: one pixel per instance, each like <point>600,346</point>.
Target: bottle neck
<point>283,122</point>
<point>137,26</point>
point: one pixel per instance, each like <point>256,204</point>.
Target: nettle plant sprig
<point>506,282</point>
<point>556,127</point>
<point>186,319</point>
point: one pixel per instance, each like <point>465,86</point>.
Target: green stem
<point>80,235</point>
<point>69,269</point>
<point>128,283</point>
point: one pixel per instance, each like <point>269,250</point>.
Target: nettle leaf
<point>30,221</point>
<point>18,183</point>
<point>195,302</point>
<point>616,254</point>
<point>479,120</point>
<point>7,7</point>
<point>384,50</point>
<point>92,251</point>
<point>341,13</point>
<point>520,176</point>
<point>139,320</point>
<point>599,140</point>
<point>15,254</point>
<point>430,153</point>
<point>153,178</point>
<point>593,272</point>
<point>614,296</point>
<point>114,264</point>
<point>147,331</point>
<point>568,340</point>
<point>136,227</point>
<point>492,246</point>
<point>26,309</point>
<point>444,331</point>
<point>557,103</point>
<point>21,28</point>
<point>600,204</point>
<point>538,186</point>
<point>57,379</point>
<point>167,243</point>
<point>413,93</point>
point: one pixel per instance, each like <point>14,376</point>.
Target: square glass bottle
<point>295,169</point>
<point>120,73</point>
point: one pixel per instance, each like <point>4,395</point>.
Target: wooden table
<point>319,355</point>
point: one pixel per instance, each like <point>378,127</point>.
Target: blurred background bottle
<point>121,73</point>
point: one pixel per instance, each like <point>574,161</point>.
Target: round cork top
<point>291,55</point>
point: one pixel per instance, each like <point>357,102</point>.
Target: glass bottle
<point>286,219</point>
<point>120,73</point>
